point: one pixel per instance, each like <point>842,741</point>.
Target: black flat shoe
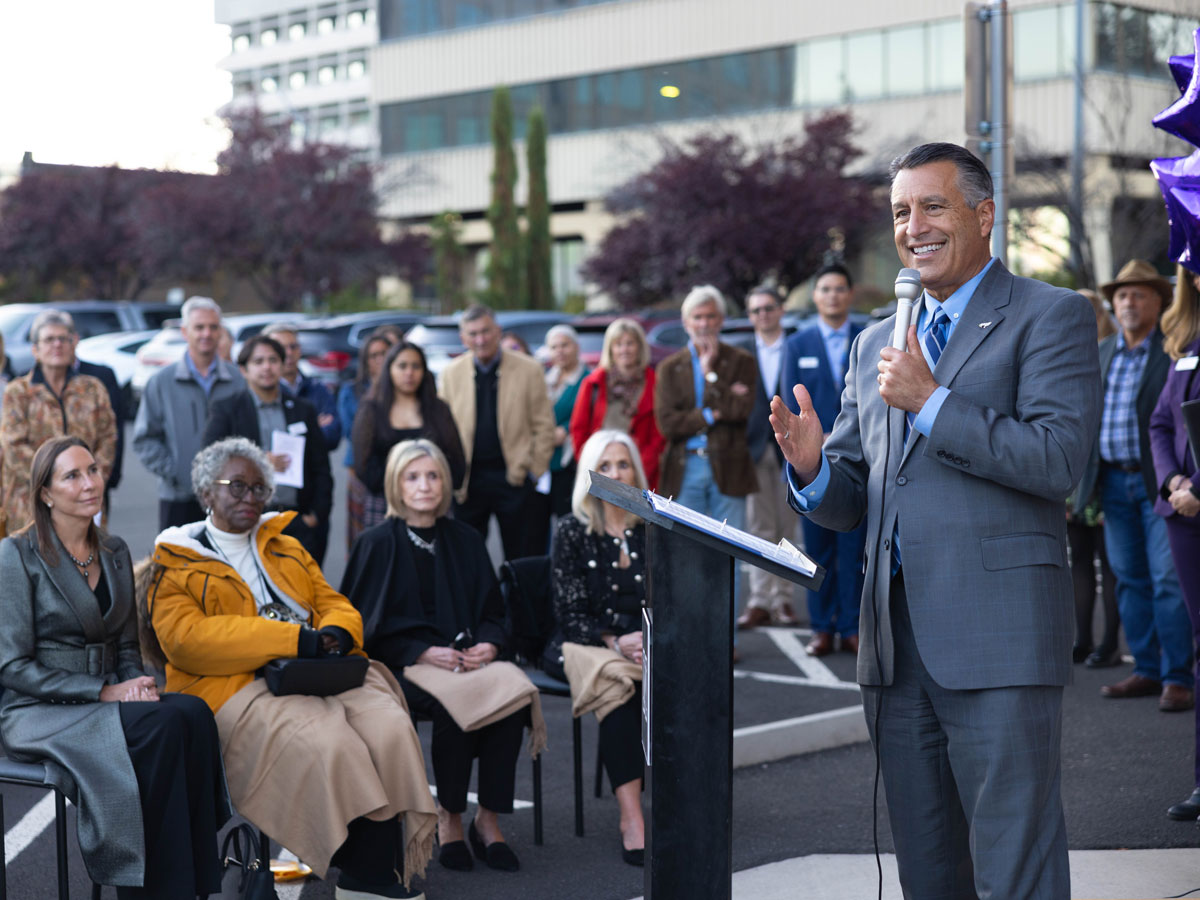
<point>497,854</point>
<point>1103,660</point>
<point>456,856</point>
<point>634,857</point>
<point>1188,810</point>
<point>1080,653</point>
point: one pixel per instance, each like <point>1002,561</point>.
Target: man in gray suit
<point>958,452</point>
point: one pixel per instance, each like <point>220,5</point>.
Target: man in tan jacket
<point>502,409</point>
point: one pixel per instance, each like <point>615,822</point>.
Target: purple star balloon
<point>1182,118</point>
<point>1179,181</point>
<point>1181,69</point>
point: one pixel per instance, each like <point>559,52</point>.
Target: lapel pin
<point>984,324</point>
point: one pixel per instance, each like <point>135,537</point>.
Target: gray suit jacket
<point>56,653</point>
<point>980,502</point>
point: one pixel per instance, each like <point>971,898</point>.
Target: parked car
<point>118,352</point>
<point>92,317</point>
<point>591,333</point>
<point>330,347</point>
<point>168,345</point>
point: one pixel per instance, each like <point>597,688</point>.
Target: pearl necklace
<point>83,565</point>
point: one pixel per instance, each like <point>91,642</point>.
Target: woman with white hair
<point>52,400</point>
<point>562,382</point>
<point>599,587</point>
<point>619,395</point>
<point>332,778</point>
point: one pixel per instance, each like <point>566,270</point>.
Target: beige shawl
<point>600,679</point>
<point>483,696</point>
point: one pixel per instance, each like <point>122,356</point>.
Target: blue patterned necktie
<point>935,343</point>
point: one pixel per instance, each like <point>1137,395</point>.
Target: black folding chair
<point>526,586</point>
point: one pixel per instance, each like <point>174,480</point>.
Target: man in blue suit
<point>816,357</point>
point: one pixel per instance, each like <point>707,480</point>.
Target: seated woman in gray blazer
<point>143,769</point>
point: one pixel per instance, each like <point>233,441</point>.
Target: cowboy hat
<point>1138,271</point>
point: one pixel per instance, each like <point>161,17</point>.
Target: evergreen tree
<point>504,259</point>
<point>537,215</point>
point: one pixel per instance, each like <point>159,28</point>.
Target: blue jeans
<point>1156,622</point>
<point>698,491</point>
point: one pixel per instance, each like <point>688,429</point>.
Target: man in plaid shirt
<point>1134,368</point>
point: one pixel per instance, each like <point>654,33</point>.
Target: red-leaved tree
<point>715,211</point>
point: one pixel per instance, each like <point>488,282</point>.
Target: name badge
<point>298,428</point>
<point>1187,363</point>
<point>809,362</point>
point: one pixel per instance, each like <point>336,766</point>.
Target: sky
<point>93,82</point>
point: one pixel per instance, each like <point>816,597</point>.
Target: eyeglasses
<point>237,489</point>
<point>759,310</point>
<point>55,339</point>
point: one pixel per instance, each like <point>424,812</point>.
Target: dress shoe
<point>634,857</point>
<point>1103,659</point>
<point>820,645</point>
<point>753,617</point>
<point>1133,686</point>
<point>850,644</point>
<point>456,856</point>
<point>497,854</point>
<point>1188,810</point>
<point>1176,698</point>
<point>1080,653</point>
<point>785,616</point>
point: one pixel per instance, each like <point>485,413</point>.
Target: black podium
<point>687,694</point>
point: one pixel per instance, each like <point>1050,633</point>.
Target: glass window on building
<point>268,36</point>
<point>946,55</point>
<point>566,256</point>
<point>906,60</point>
<point>524,98</point>
<point>326,24</point>
<point>297,30</point>
<point>358,118</point>
<point>468,13</point>
<point>298,130</point>
<point>326,74</point>
<point>737,83</point>
<point>826,80</point>
<point>241,42</point>
<point>297,79</point>
<point>1134,41</point>
<point>328,124</point>
<point>269,84</point>
<point>1169,36</point>
<point>243,83</point>
<point>864,65</point>
<point>355,18</point>
<point>1037,44</point>
<point>424,131</point>
<point>356,68</point>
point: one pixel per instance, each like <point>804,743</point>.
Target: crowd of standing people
<point>158,663</point>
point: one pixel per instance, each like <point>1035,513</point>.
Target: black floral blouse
<point>593,595</point>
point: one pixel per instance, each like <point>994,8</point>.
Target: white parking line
<point>32,824</point>
<point>817,672</point>
<point>801,681</point>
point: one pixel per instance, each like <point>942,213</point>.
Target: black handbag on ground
<point>320,677</point>
<point>251,878</point>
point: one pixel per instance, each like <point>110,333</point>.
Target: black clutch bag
<point>321,677</point>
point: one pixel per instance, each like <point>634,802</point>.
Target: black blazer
<point>758,428</point>
<point>237,416</point>
<point>108,378</point>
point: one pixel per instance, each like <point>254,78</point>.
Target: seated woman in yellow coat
<point>328,777</point>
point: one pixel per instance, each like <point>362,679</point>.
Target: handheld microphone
<point>908,289</point>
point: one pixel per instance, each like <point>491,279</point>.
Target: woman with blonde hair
<point>1177,472</point>
<point>429,600</point>
<point>619,395</point>
<point>599,587</point>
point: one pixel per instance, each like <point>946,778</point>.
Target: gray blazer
<point>56,653</point>
<point>980,502</point>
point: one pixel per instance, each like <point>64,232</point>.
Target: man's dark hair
<point>259,339</point>
<point>974,180</point>
<point>768,289</point>
<point>477,311</point>
<point>834,269</point>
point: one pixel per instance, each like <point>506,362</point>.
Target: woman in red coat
<point>620,395</point>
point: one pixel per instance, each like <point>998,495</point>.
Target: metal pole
<point>998,136</point>
<point>1076,199</point>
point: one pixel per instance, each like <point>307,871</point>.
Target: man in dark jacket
<point>258,413</point>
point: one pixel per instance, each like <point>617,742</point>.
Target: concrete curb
<point>757,744</point>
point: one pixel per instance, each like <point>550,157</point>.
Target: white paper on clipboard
<point>293,446</point>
